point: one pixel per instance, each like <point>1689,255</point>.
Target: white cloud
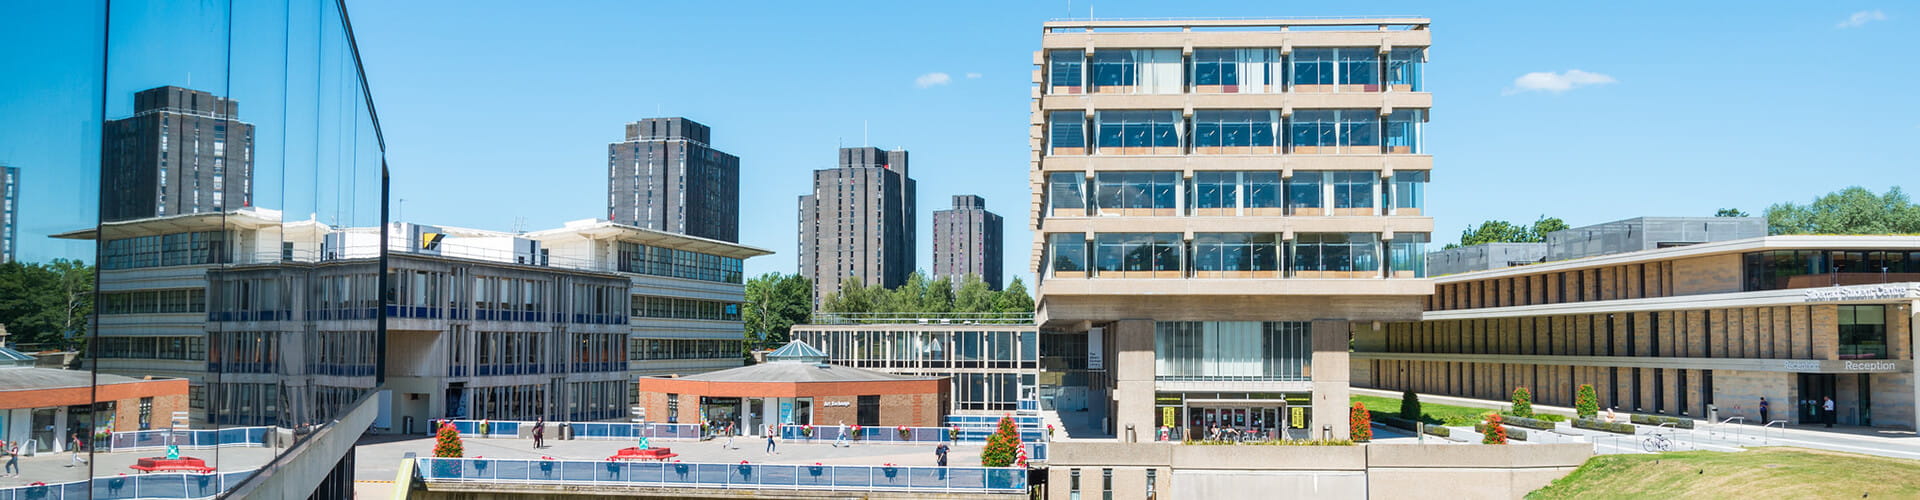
<point>932,79</point>
<point>1861,18</point>
<point>1548,81</point>
<point>971,76</point>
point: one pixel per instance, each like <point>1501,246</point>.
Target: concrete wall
<point>1266,472</point>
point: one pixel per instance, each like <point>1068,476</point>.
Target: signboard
<point>1166,417</point>
<point>1844,366</point>
<point>1297,417</point>
<point>1863,292</point>
<point>1095,339</point>
<point>837,403</point>
<point>786,412</point>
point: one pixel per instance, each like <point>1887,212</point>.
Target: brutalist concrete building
<point>667,177</point>
<point>183,151</point>
<point>859,221</point>
<point>966,240</point>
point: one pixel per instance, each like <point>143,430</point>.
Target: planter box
<point>1617,427</point>
<point>1530,423</point>
<point>1655,420</point>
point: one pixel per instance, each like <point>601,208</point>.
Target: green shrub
<point>1550,417</point>
<point>1409,405</point>
<point>1586,403</point>
<point>1514,434</point>
<point>1655,420</point>
<point>1622,428</point>
<point>1522,402</point>
<point>1441,431</point>
<point>1530,423</point>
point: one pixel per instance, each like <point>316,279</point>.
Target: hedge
<point>1599,425</point>
<point>1400,423</point>
<point>1683,423</point>
<point>1530,423</point>
<point>1514,434</point>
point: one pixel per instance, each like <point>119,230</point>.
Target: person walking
<point>78,460</point>
<point>1765,414</point>
<point>770,443</point>
<point>840,437</point>
<point>940,452</point>
<point>540,432</point>
<point>731,431</point>
<point>1828,408</point>
<point>12,452</point>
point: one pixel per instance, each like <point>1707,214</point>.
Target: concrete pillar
<point>1132,370</point>
<point>1826,332</point>
<point>1329,378</point>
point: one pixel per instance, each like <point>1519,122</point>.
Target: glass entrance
<point>1239,422</point>
<point>1814,389</point>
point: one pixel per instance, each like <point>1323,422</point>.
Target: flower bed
<point>1514,434</point>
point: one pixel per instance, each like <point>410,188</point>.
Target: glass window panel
<point>1404,66</point>
<point>1312,70</point>
<point>1304,194</point>
<point>1359,69</point>
<point>1065,71</point>
<point>1409,192</point>
<point>1068,135</point>
<point>1068,251</point>
<point>1066,194</point>
<point>1403,131</point>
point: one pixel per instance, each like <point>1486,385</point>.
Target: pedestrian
<point>1765,416</point>
<point>730,433</point>
<point>941,453</point>
<point>1610,415</point>
<point>841,436</point>
<point>483,427</point>
<point>78,460</point>
<point>540,432</point>
<point>770,442</point>
<point>12,452</point>
<point>1828,408</point>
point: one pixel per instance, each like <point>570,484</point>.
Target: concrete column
<point>1329,378</point>
<point>1132,369</point>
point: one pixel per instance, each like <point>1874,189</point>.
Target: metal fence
<point>727,476</point>
<point>162,486</point>
<point>1035,439</point>
<point>952,318</point>
<point>197,439</point>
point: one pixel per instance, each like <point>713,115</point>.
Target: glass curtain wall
<point>1232,351</point>
<point>1136,193</point>
<point>1404,69</point>
<point>1236,255</point>
<point>1340,131</point>
<point>1409,192</point>
<point>1234,132</point>
<point>1067,253</point>
<point>1066,71</point>
<point>1138,255</point>
<point>1408,251</point>
<point>1068,133</point>
<point>1335,255</point>
<point>1235,71</point>
<point>1137,71</point>
<point>1305,195</point>
<point>1138,132</point>
<point>1067,194</point>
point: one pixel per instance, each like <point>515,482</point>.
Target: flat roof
<point>33,379</point>
<point>788,371</point>
<point>1788,242</point>
<point>594,229</point>
<point>1227,22</point>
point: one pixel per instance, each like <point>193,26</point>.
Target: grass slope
<point>1760,473</point>
<point>1434,413</point>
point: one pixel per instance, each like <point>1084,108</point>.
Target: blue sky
<point>495,111</point>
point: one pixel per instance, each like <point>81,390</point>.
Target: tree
<point>1362,422</point>
<point>1853,210</point>
<point>1014,299</point>
<point>1409,406</point>
<point>973,296</point>
<point>46,304</point>
<point>1003,447</point>
<point>1500,231</point>
<point>1730,212</point>
<point>1491,432</point>
<point>1586,403</point>
<point>920,295</point>
<point>447,443</point>
<point>776,302</point>
<point>1522,403</point>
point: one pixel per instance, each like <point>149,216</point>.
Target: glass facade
<point>1232,351</point>
<point>1235,71</point>
<point>1234,132</point>
<point>1142,132</point>
<point>1137,71</point>
<point>1409,192</point>
<point>1347,131</point>
<point>1068,133</point>
<point>1067,254</point>
<point>1067,194</point>
<point>1236,255</point>
<point>676,263</point>
<point>991,370</point>
<point>1136,193</point>
<point>1335,255</point>
<point>1305,194</point>
<point>1353,192</point>
<point>1782,269</point>
<point>1138,255</point>
<point>1408,252</point>
<point>1066,71</point>
<point>1863,332</point>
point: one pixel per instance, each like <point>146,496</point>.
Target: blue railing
<point>182,486</point>
<point>495,428</point>
<point>727,476</point>
<point>620,431</point>
<point>191,439</point>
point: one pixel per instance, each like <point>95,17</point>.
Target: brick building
<point>44,407</point>
<point>796,387</point>
<point>1693,329</point>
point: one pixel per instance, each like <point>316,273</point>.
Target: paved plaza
<point>53,468</point>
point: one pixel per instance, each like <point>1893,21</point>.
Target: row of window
<point>1766,333</point>
<point>187,348</point>
<point>1236,132</point>
<point>178,300</point>
<point>179,249</point>
<point>243,352</point>
<point>341,353</point>
<point>648,306</point>
<point>655,349</point>
<point>1235,71</point>
<point>1235,255</point>
<point>1255,193</point>
<point>658,261</point>
<point>1232,350</point>
<point>921,350</point>
<point>602,400</point>
<point>1780,269</point>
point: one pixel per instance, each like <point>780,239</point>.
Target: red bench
<point>161,464</point>
<point>635,453</point>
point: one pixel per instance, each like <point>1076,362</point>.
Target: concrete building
<point>859,222</point>
<point>966,240</point>
<point>9,212</point>
<point>1701,330</point>
<point>42,408</point>
<point>666,176</point>
<point>183,151</point>
<point>1219,204</point>
<point>481,324</point>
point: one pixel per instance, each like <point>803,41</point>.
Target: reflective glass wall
<point>186,167</point>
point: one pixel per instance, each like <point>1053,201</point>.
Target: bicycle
<point>1656,442</point>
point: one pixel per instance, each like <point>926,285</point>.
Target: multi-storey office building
<point>666,176</point>
<point>966,240</point>
<point>859,222</point>
<point>1681,331</point>
<point>1218,204</point>
<point>9,211</point>
<point>183,151</point>
<point>993,366</point>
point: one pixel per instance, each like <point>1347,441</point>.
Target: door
<point>1814,389</point>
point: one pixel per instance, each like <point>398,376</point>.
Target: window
<point>1064,68</point>
<point>1235,255</point>
<point>1353,192</point>
<point>1404,67</point>
<point>1137,255</point>
<point>1409,256</point>
<point>1409,192</point>
<point>1232,350</point>
<point>1138,132</point>
<point>1068,135</point>
<point>146,413</point>
<point>1068,251</point>
<point>1313,70</point>
<point>1138,71</point>
<point>1135,193</point>
<point>1403,131</point>
<point>1336,255</point>
<point>1150,481</point>
<point>1106,484</point>
<point>1352,69</point>
<point>673,408</point>
<point>1359,69</point>
<point>1346,131</point>
<point>1304,194</point>
<point>1234,71</point>
<point>1234,132</point>
<point>1067,194</point>
<point>1073,485</point>
<point>1863,332</point>
<point>1214,193</point>
<point>868,413</point>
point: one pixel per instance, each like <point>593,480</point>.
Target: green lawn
<point>1433,413</point>
<point>1759,473</point>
